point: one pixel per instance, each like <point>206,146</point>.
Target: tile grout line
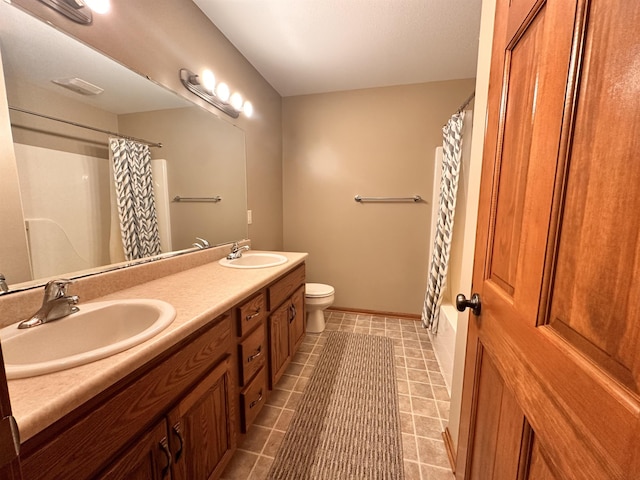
<point>359,323</point>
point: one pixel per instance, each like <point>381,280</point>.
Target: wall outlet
<point>249,217</point>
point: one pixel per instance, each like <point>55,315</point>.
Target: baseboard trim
<point>448,445</point>
<point>377,313</point>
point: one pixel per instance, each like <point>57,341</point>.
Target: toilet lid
<point>318,290</point>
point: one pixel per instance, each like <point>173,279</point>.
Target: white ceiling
<point>35,52</point>
<point>314,46</point>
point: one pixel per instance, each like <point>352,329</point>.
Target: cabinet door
<point>296,320</point>
<point>279,342</point>
<point>202,427</point>
<point>148,458</point>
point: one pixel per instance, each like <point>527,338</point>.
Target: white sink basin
<point>98,330</point>
<point>255,260</point>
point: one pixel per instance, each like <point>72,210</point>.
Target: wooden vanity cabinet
<point>270,328</point>
<point>149,458</point>
<point>279,344</point>
<point>180,415</point>
<point>194,440</point>
<point>252,358</point>
<point>202,427</point>
<point>174,418</point>
<point>297,323</point>
<point>286,322</point>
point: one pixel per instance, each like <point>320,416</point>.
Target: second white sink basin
<point>98,330</point>
<point>255,260</point>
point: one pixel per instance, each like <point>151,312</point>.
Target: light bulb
<point>236,101</point>
<point>247,109</point>
<point>99,6</point>
<point>222,91</point>
<point>208,80</point>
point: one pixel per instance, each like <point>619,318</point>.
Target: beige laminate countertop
<point>199,295</point>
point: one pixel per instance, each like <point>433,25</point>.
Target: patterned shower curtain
<point>436,281</point>
<point>134,197</point>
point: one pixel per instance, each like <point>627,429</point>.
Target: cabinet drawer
<point>251,314</point>
<point>252,398</point>
<point>284,287</point>
<point>253,353</point>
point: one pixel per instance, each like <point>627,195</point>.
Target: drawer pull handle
<point>164,445</point>
<point>253,315</point>
<point>257,400</point>
<point>251,358</point>
<point>178,433</point>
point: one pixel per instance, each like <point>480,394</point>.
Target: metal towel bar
<point>215,199</point>
<point>414,198</point>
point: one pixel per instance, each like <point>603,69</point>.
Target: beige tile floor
<point>423,399</point>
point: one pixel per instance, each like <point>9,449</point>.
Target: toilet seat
<point>318,290</point>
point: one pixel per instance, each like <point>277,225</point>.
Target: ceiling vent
<point>79,86</point>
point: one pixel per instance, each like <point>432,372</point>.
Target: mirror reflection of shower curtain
<point>131,163</point>
<point>439,263</point>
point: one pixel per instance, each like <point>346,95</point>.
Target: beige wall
<point>39,132</point>
<point>372,142</point>
<point>158,37</point>
<point>205,157</point>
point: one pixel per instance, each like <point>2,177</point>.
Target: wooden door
<point>202,427</point>
<point>297,321</point>
<point>279,353</point>
<point>552,376</point>
<point>148,458</point>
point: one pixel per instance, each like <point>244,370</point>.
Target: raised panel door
<point>279,344</point>
<point>552,375</point>
<point>148,458</point>
<point>202,427</point>
<point>297,321</point>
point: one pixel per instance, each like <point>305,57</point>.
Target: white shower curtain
<point>134,197</point>
<point>439,263</point>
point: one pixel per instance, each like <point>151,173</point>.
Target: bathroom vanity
<point>177,404</point>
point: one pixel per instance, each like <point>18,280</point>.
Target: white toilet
<point>318,297</point>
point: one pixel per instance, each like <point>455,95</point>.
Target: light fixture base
<point>187,78</point>
<point>72,9</point>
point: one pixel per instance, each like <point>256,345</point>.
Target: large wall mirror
<point>63,170</point>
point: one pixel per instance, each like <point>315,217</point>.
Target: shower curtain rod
<point>126,137</point>
<point>467,102</point>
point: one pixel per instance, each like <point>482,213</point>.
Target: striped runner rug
<point>347,424</point>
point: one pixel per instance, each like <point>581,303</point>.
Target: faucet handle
<point>56,289</point>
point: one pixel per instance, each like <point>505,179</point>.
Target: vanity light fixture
<point>80,11</point>
<point>99,6</point>
<point>217,95</point>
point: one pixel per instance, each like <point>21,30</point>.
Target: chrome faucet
<point>236,251</point>
<point>55,305</point>
<point>202,245</point>
<point>3,284</point>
